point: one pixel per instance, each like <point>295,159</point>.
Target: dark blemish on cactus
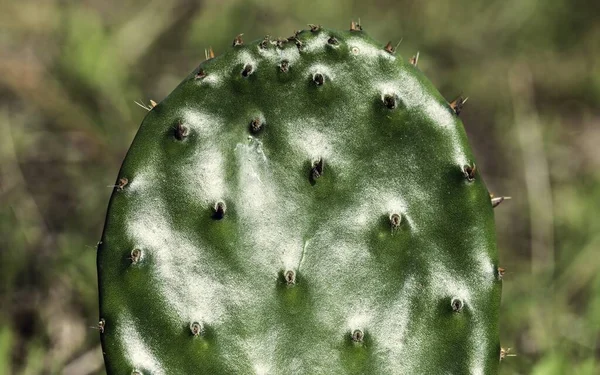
<point>457,305</point>
<point>457,104</point>
<point>101,325</point>
<point>395,220</point>
<point>201,74</point>
<point>389,48</point>
<point>181,131</point>
<point>314,28</point>
<point>317,169</point>
<point>196,328</point>
<point>332,41</point>
<point>389,101</point>
<point>290,277</point>
<point>219,210</point>
<point>318,79</point>
<point>255,125</point>
<point>501,273</point>
<point>284,66</point>
<point>122,183</point>
<point>238,40</point>
<point>357,336</point>
<point>248,69</point>
<point>469,172</point>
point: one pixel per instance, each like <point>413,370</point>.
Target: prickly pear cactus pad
<point>307,205</point>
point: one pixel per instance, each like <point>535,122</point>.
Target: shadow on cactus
<point>307,205</point>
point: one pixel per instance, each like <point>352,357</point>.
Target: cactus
<point>307,205</point>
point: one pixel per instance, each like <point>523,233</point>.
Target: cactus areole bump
<point>307,205</point>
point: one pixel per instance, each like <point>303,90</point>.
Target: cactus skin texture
<point>306,205</point>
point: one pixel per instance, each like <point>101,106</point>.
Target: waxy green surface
<point>363,296</point>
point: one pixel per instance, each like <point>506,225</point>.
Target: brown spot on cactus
<point>501,273</point>
<point>201,74</point>
<point>469,172</point>
<point>196,328</point>
<point>284,66</point>
<point>280,42</point>
<point>390,101</point>
<point>122,183</point>
<point>265,42</point>
<point>238,41</point>
<point>256,125</point>
<point>395,220</point>
<point>135,256</point>
<point>181,131</point>
<point>332,41</point>
<point>318,79</point>
<point>219,210</point>
<point>457,104</point>
<point>457,304</point>
<point>389,48</point>
<point>314,28</point>
<point>248,69</point>
<point>101,325</point>
<point>290,277</point>
<point>355,26</point>
<point>357,336</point>
<point>296,41</point>
<point>317,169</point>
<point>414,60</point>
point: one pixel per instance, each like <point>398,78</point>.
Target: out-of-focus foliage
<point>70,72</point>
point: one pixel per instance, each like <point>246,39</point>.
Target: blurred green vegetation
<point>70,72</point>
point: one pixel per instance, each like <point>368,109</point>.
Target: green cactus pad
<point>307,205</point>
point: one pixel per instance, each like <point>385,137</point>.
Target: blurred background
<point>71,72</point>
